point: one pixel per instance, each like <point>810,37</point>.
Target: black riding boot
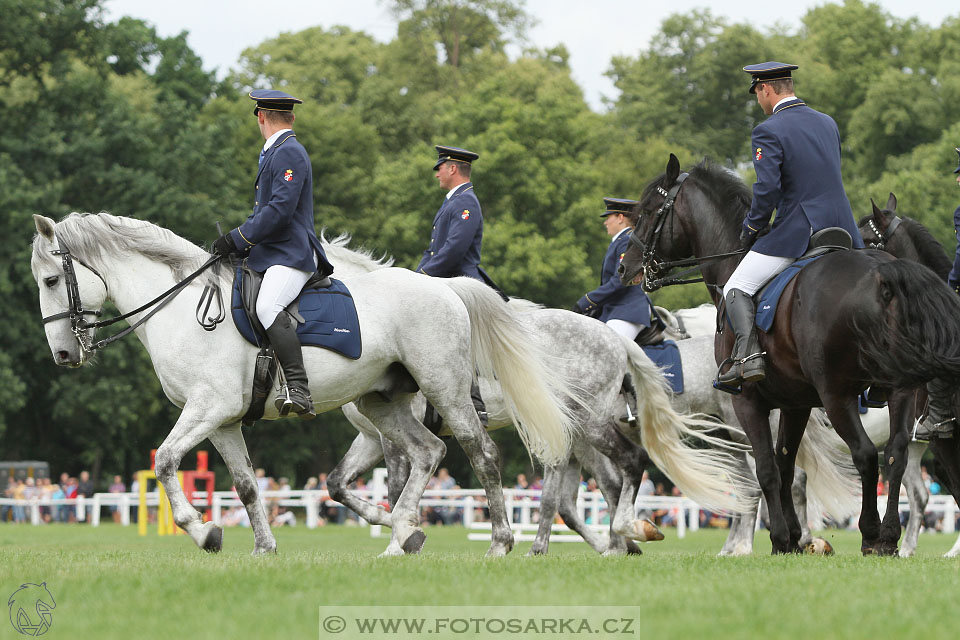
<point>940,421</point>
<point>748,365</point>
<point>478,404</point>
<point>286,344</point>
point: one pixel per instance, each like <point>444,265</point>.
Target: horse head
<point>881,230</point>
<point>657,236</point>
<point>67,286</point>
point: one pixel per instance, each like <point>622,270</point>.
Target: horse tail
<point>832,481</point>
<point>711,477</point>
<point>917,337</point>
<point>538,399</point>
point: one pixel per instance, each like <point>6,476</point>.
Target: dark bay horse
<point>849,320</point>
<point>907,239</point>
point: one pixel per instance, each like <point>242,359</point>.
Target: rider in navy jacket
<point>279,239</point>
<point>628,306</point>
<point>457,232</point>
<point>796,155</point>
<point>940,421</point>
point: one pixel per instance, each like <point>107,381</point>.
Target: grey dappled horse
<point>420,333</point>
<point>597,360</point>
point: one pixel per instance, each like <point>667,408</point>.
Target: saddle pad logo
<point>288,175</point>
<point>759,154</point>
<point>466,214</point>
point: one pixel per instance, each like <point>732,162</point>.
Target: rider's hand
<point>747,239</point>
<point>223,246</point>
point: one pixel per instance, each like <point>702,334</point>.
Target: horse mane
<point>338,253</point>
<point>725,188</point>
<point>932,253</point>
<point>91,235</point>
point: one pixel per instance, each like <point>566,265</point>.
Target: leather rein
<point>78,323</point>
<point>651,264</point>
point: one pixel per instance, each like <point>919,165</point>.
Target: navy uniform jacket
<point>796,153</point>
<point>456,237</point>
<point>617,301</point>
<point>954,279</point>
<point>280,229</point>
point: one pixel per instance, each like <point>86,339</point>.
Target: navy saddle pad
<point>769,296</point>
<point>666,355</point>
<point>330,314</point>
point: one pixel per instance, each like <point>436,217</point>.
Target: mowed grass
<point>110,583</point>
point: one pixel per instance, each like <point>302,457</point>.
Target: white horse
<point>419,333</point>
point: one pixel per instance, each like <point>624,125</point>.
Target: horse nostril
<point>62,356</point>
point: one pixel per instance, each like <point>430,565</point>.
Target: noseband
<point>884,235</point>
<point>76,312</point>
<point>652,266</point>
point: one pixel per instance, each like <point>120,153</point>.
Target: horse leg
<point>192,427</point>
<point>901,405</point>
<point>485,459</point>
<point>363,454</point>
<point>845,417</point>
<point>570,490</point>
<point>743,525</point>
<point>793,422</point>
<point>798,491</point>
<point>918,496</point>
<point>398,469</point>
<point>549,504</point>
<point>630,460</point>
<point>396,422</point>
<point>947,454</point>
<point>228,440</point>
<point>755,421</point>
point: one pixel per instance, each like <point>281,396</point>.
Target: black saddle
<point>827,240</point>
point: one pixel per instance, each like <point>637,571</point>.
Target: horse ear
<point>876,209</point>
<point>673,170</point>
<point>880,216</point>
<point>45,226</point>
<point>892,202</point>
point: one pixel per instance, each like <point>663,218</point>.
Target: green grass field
<point>110,583</point>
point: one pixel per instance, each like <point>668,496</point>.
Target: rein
<point>76,312</point>
<point>884,235</point>
<point>652,266</point>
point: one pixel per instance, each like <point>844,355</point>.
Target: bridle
<point>75,312</point>
<point>651,264</point>
<point>884,235</point>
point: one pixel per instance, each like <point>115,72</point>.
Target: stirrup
<point>934,433</point>
<point>285,404</point>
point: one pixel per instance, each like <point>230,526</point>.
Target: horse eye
<point>51,281</point>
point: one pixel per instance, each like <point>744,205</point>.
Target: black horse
<point>849,320</point>
<point>907,239</point>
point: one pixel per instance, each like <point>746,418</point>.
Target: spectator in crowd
<point>45,492</point>
<point>261,480</point>
<point>57,510</point>
<point>117,487</point>
<point>71,492</point>
<point>6,510</point>
<point>19,511</point>
<point>85,489</point>
<point>670,518</point>
<point>312,484</point>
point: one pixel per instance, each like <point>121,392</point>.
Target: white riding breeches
<point>281,285</point>
<point>754,271</point>
<point>628,330</point>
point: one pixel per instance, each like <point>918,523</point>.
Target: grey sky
<point>593,31</point>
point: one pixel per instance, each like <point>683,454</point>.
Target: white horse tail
<point>833,485</point>
<point>537,398</point>
<point>711,477</point>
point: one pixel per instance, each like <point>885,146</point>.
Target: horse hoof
<point>414,543</point>
<point>646,531</point>
<point>819,547</point>
<point>213,543</point>
<point>534,551</point>
<point>634,550</point>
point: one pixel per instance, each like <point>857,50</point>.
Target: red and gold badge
<point>759,154</point>
<point>288,175</point>
<point>466,214</point>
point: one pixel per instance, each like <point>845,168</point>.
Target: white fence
<point>522,507</point>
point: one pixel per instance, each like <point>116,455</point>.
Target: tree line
<point>110,116</point>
